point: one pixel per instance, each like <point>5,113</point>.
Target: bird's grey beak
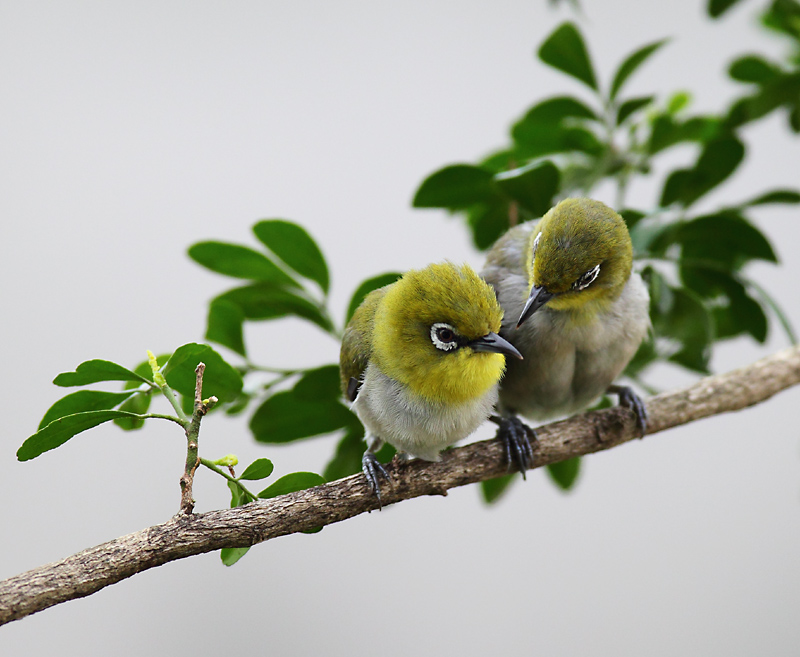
<point>539,296</point>
<point>493,343</point>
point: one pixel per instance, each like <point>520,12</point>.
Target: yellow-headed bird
<point>575,311</point>
<point>421,360</point>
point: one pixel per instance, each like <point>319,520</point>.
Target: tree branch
<point>185,535</point>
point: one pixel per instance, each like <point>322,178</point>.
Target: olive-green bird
<point>575,311</point>
<point>421,360</point>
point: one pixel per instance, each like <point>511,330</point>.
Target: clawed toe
<point>518,440</point>
<point>629,399</point>
<point>373,469</point>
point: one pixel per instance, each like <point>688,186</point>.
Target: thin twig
<point>211,466</point>
<point>192,436</point>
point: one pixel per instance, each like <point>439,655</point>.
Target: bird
<point>420,361</point>
<point>576,312</point>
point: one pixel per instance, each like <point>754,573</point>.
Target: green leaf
<point>690,324</point>
<point>794,119</point>
<point>258,469</point>
<point>285,417</point>
<point>220,378</point>
<point>374,283</point>
<point>742,314</point>
<point>292,244</point>
<point>230,556</point>
<point>320,383</point>
<point>753,68</point>
<point>725,238</point>
<point>236,495</point>
<point>138,404</point>
<point>493,489</point>
<point>292,483</point>
<point>61,430</point>
<point>772,94</point>
<point>558,108</point>
<point>488,223</point>
<point>634,61</point>
<point>718,7</point>
<point>565,50</point>
<point>733,310</point>
<point>532,186</point>
<point>225,325</point>
<point>262,301</point>
<point>239,262</point>
<point>347,459</point>
<point>719,159</point>
<point>544,129</point>
<point>239,404</point>
<point>666,131</point>
<point>501,160</point>
<point>776,196</point>
<point>455,186</point>
<point>537,140</point>
<point>678,101</point>
<point>783,16</point>
<point>633,105</point>
<point>565,473</point>
<point>682,324</point>
<point>82,401</point>
<point>94,371</point>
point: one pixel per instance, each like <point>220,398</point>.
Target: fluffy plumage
<point>421,360</point>
<point>578,341</point>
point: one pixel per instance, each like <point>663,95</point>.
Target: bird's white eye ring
<point>535,244</point>
<point>444,336</point>
<point>587,279</point>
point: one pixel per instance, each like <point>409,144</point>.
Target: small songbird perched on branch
<point>420,360</point>
<point>574,310</point>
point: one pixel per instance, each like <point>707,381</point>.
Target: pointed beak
<point>539,296</point>
<point>493,343</point>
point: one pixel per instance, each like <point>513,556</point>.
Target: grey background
<point>130,130</point>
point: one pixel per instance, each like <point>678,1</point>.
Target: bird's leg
<point>517,439</point>
<point>372,467</point>
<point>629,399</point>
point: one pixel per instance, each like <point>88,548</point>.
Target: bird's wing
<point>357,344</point>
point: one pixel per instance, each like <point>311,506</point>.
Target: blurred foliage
<point>694,262</point>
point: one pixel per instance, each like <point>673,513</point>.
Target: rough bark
<point>185,535</point>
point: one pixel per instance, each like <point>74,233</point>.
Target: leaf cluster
<point>694,262</point>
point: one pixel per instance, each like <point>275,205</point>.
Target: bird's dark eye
<point>587,279</point>
<point>443,336</point>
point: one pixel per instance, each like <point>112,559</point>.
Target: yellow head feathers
<point>580,252</point>
<point>423,327</point>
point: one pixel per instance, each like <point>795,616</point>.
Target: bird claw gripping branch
<point>629,399</point>
<point>373,469</point>
<point>518,440</point>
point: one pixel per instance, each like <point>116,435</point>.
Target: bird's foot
<point>518,440</point>
<point>629,399</point>
<point>373,469</point>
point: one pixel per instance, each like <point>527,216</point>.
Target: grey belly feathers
<point>567,365</point>
<point>414,425</point>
